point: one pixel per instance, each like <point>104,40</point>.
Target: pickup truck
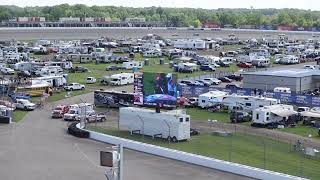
<point>25,105</point>
<point>59,111</point>
<point>74,86</point>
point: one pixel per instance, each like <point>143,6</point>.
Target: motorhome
<point>27,66</point>
<point>187,67</point>
<point>211,98</point>
<point>271,114</point>
<point>132,64</point>
<point>54,81</point>
<point>227,60</point>
<point>171,125</point>
<point>80,58</point>
<point>261,62</point>
<point>152,53</point>
<point>122,79</point>
<point>290,59</point>
<point>78,110</point>
<point>49,71</point>
<point>62,64</point>
<point>247,103</point>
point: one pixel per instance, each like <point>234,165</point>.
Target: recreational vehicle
<point>261,62</point>
<point>247,103</point>
<point>49,71</point>
<point>272,114</point>
<point>152,53</point>
<point>171,125</point>
<point>132,64</point>
<point>54,81</point>
<point>211,98</point>
<point>62,64</point>
<point>122,79</point>
<point>189,44</point>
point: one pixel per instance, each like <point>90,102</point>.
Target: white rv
<point>132,64</point>
<point>50,71</point>
<point>272,114</point>
<point>189,44</point>
<point>172,125</point>
<point>152,53</point>
<point>62,64</point>
<point>261,62</point>
<point>122,79</point>
<point>247,103</point>
<point>54,81</point>
<point>210,98</point>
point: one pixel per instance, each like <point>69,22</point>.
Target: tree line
<point>176,17</point>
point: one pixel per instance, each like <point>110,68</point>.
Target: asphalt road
<point>118,33</point>
<point>39,148</point>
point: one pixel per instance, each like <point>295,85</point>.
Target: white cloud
<point>207,4</point>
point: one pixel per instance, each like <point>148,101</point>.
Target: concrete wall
<point>192,158</point>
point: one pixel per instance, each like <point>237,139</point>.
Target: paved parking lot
<point>39,148</point>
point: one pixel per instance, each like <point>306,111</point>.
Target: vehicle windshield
<point>58,109</point>
<point>72,112</point>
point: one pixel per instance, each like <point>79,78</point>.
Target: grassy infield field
<point>250,150</point>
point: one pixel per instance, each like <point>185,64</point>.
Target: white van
<point>282,90</point>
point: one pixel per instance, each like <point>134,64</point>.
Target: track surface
<point>39,148</point>
<point>118,33</point>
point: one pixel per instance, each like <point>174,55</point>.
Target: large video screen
<point>156,88</point>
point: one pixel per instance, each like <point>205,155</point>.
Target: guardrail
<point>192,158</point>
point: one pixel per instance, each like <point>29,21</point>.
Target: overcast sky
<point>207,4</point>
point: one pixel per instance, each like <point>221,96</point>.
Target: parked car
<point>59,111</point>
<point>194,132</point>
<point>113,68</point>
<point>7,71</point>
<point>74,86</point>
<point>78,69</point>
<point>225,79</point>
<point>214,81</point>
<point>245,65</point>
<point>91,80</point>
<point>239,116</point>
<point>204,83</point>
<point>24,74</point>
<point>185,82</point>
<point>235,77</point>
<point>223,64</point>
<point>197,83</point>
<point>25,104</point>
<point>207,68</point>
<point>232,86</point>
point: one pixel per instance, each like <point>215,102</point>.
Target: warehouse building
<point>298,80</point>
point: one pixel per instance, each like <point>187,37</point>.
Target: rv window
<point>123,78</point>
<point>246,98</point>
<point>260,105</point>
<point>267,119</point>
<point>267,113</point>
<point>181,119</point>
<point>284,118</point>
<point>203,101</point>
<point>257,116</point>
<point>187,119</point>
<point>248,104</point>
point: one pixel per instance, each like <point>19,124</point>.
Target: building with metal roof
<point>298,80</point>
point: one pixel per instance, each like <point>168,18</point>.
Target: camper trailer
<point>271,114</point>
<point>122,79</point>
<point>54,81</point>
<point>80,58</point>
<point>132,64</point>
<point>261,62</point>
<point>189,44</point>
<point>247,103</point>
<point>171,125</point>
<point>211,98</point>
<point>62,64</point>
<point>49,71</point>
<point>152,53</point>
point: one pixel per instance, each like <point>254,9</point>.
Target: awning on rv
<point>310,114</point>
<point>283,113</point>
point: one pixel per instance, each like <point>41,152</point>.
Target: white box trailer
<point>247,103</point>
<point>211,98</point>
<point>272,114</point>
<point>172,125</point>
<point>122,79</point>
<point>190,44</point>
